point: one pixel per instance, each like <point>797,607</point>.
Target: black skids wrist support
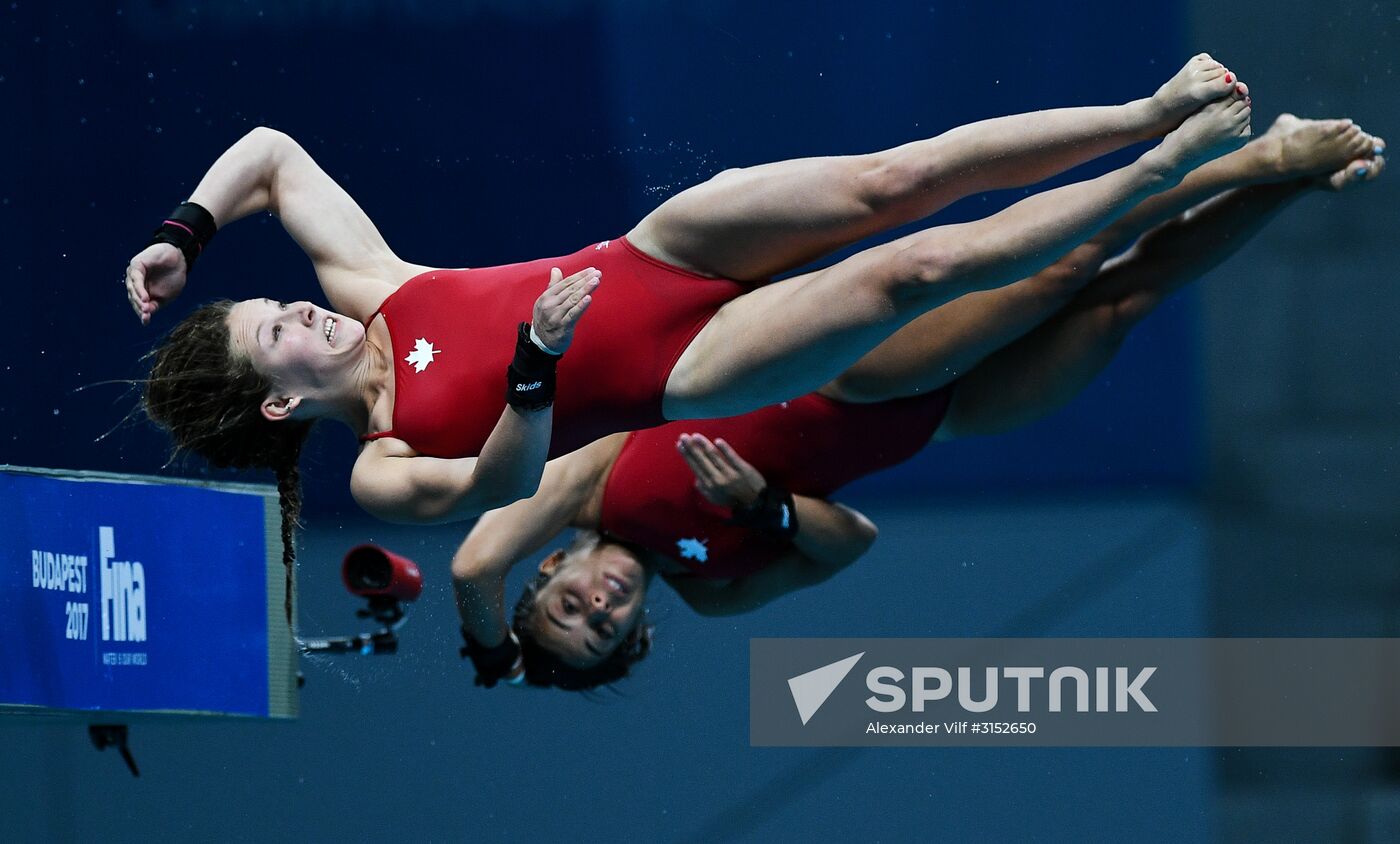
<point>492,664</point>
<point>188,228</point>
<point>772,514</point>
<point>530,376</point>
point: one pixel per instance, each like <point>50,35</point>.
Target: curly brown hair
<point>208,398</point>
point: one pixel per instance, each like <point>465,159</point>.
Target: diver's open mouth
<point>329,330</point>
<point>617,585</point>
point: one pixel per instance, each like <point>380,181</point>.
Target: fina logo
<point>123,593</point>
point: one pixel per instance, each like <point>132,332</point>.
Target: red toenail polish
<point>1229,79</point>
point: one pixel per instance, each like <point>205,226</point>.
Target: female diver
<point>731,512</point>
<point>411,357</point>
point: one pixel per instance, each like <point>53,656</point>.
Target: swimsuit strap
<point>379,435</point>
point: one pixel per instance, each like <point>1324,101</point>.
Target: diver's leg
<point>947,342</point>
<point>752,223</point>
<point>790,338</point>
<point>1039,373</point>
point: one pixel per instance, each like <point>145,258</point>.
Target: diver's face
<point>590,605</point>
<point>296,345</point>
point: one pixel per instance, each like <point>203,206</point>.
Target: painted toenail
<point>1229,78</point>
<point>1362,171</point>
<point>1380,149</point>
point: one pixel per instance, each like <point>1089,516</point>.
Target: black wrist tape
<point>492,664</point>
<point>530,376</point>
<point>772,514</point>
<point>188,228</point>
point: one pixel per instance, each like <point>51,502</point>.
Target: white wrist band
<point>535,338</point>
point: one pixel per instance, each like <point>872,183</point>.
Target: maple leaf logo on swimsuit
<point>422,355</point>
<point>693,549</point>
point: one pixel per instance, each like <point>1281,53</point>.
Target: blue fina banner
<point>121,593</point>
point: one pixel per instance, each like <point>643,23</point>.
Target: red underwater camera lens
<point>371,571</point>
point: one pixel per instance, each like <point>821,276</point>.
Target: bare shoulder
<point>585,472</point>
<point>361,293</point>
<point>376,483</point>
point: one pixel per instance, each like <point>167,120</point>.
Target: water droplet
<point>150,74</point>
<point>55,411</point>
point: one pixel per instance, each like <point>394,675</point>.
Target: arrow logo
<point>810,690</point>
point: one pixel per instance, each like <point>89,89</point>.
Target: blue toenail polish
<point>1362,171</point>
<point>1380,150</point>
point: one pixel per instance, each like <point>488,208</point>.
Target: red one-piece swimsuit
<point>811,446</point>
<point>453,335</point>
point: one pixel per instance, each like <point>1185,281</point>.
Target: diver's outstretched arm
<point>266,170</point>
<point>501,538</point>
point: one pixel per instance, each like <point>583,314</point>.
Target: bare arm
<point>506,536</point>
<point>394,484</point>
<point>266,170</point>
<point>829,536</point>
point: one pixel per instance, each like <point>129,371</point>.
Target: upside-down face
<point>591,603</point>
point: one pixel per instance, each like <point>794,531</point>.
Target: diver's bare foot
<point>1357,172</point>
<point>1202,80</point>
<point>1294,148</point>
<point>1215,129</point>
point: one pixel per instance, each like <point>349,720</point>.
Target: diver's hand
<point>721,475</point>
<point>154,277</point>
<point>561,305</point>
